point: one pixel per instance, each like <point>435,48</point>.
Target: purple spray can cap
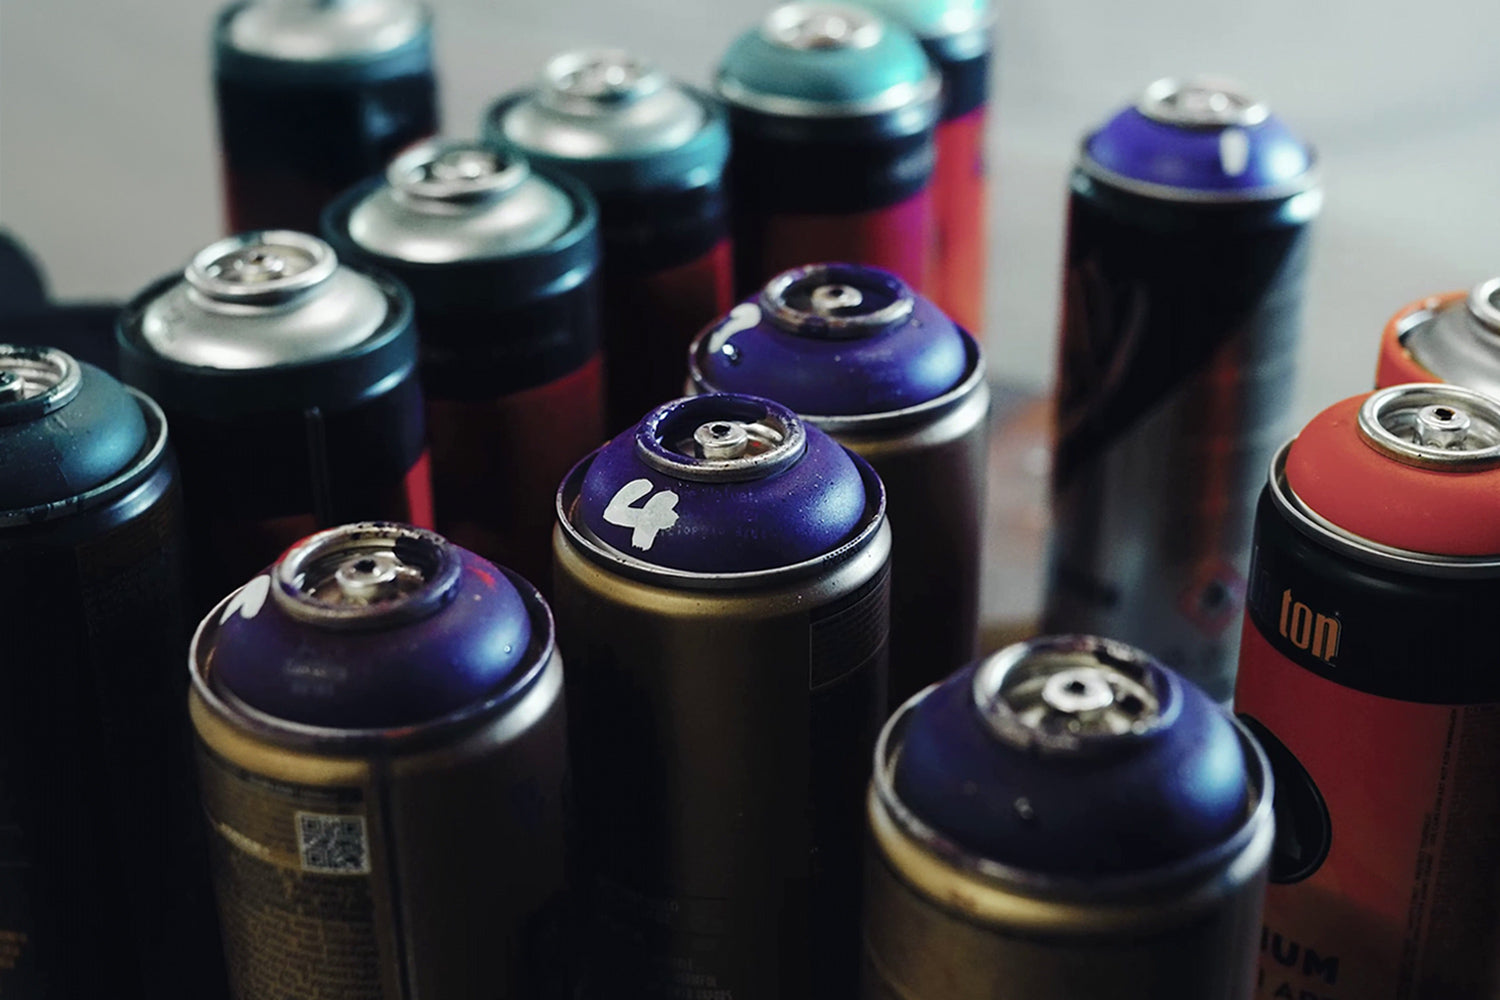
<point>836,340</point>
<point>1071,757</point>
<point>719,487</point>
<point>1202,139</point>
<point>372,627</point>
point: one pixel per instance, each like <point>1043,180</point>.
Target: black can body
<point>666,271</point>
<point>103,881</point>
<point>294,133</point>
<point>1180,324</point>
<point>271,454</point>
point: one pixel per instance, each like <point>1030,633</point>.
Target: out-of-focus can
<point>1367,671</point>
<point>955,34</point>
<point>1453,337</point>
<point>98,886</point>
<point>500,259</point>
<point>1065,819</point>
<point>831,111</point>
<point>382,756</point>
<point>290,381</point>
<point>314,95</point>
<point>652,152</point>
<point>1187,244</point>
<point>722,595</point>
<point>856,353</point>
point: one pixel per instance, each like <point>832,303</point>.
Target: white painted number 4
<point>656,514</point>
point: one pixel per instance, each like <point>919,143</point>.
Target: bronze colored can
<point>1066,819</point>
<point>721,594</point>
<point>381,749</point>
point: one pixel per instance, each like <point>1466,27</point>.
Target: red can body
<point>961,194</point>
<point>499,457</point>
<point>897,238</point>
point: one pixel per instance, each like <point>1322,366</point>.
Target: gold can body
<point>721,747</point>
<point>934,476</point>
<point>426,865</point>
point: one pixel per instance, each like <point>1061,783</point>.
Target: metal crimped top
<point>822,26</point>
<point>691,439</point>
<point>324,30</point>
<point>1438,426</point>
<point>1201,102</point>
<point>592,103</point>
<point>1459,342</point>
<point>359,575</point>
<point>448,200</point>
<point>42,378</point>
<point>836,300</point>
<point>1069,694</point>
<point>263,299</point>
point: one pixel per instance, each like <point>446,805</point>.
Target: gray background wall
<point>108,168</point>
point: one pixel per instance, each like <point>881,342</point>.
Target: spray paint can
<point>99,893</point>
<point>382,755</point>
<point>831,112</point>
<point>722,590</point>
<point>1367,672</point>
<point>314,95</point>
<point>859,355</point>
<point>955,34</point>
<point>1187,243</point>
<point>652,152</point>
<point>1065,819</point>
<point>290,382</point>
<point>500,259</point>
<point>1453,337</point>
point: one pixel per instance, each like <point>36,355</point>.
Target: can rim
<point>122,482</point>
<point>241,716</point>
<point>897,97</point>
<point>975,379</point>
<point>1314,526</point>
<point>1306,182</point>
<point>600,552</point>
<point>1066,889</point>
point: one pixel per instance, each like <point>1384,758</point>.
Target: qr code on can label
<point>333,845</point>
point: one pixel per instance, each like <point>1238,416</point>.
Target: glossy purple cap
<point>721,484</point>
<point>835,340</point>
<point>373,626</point>
<point>1071,756</point>
<point>1201,139</point>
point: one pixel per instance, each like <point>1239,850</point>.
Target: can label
<point>650,319</point>
<point>1384,883</point>
<point>898,238</point>
<point>961,196</point>
<point>292,873</point>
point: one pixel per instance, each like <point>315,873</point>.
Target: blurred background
<point>108,167</point>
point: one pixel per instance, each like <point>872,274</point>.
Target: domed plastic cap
<point>371,627</point>
<point>1073,757</point>
<point>835,340</point>
<point>723,484</point>
<point>615,122</point>
<point>65,428</point>
<point>1202,139</point>
<point>820,59</point>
